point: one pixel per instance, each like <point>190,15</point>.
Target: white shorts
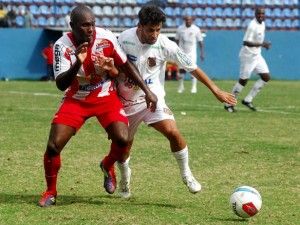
<point>162,112</point>
<point>250,63</point>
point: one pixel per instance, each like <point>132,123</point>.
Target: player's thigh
<point>59,136</point>
<point>118,132</point>
<point>134,121</point>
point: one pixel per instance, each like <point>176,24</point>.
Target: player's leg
<point>59,136</point>
<point>125,171</point>
<point>263,71</point>
<point>181,77</point>
<point>115,123</point>
<point>118,133</point>
<point>194,85</point>
<point>180,151</point>
<point>247,65</point>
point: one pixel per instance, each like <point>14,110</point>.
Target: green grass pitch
<point>259,149</point>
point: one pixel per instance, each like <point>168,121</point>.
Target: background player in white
<point>149,51</point>
<point>251,60</point>
<point>187,37</point>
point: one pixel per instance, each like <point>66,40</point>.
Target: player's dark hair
<point>78,12</point>
<point>151,14</point>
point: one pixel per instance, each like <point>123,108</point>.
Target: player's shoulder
<point>64,40</point>
<point>128,32</point>
<point>104,33</point>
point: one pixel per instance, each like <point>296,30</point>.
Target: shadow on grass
<point>229,219</point>
<point>63,200</point>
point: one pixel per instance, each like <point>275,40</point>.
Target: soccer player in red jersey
<point>84,62</point>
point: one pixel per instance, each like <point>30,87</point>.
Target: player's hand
<point>266,45</point>
<point>202,57</point>
<point>151,101</point>
<point>106,63</point>
<point>225,97</point>
<point>81,52</point>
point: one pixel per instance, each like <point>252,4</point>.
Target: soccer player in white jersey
<point>149,51</point>
<point>84,62</point>
<point>188,35</point>
<point>251,60</point>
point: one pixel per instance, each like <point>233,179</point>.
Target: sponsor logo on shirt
<point>132,58</point>
<point>128,43</point>
<point>151,61</point>
<point>57,58</point>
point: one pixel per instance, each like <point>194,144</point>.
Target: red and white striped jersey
<point>91,84</point>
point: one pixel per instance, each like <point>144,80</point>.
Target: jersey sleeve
<point>249,34</point>
<point>199,36</point>
<point>175,54</point>
<point>119,55</point>
<point>61,59</point>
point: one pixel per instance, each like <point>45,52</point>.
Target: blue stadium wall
<point>21,54</point>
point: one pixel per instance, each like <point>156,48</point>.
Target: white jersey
<point>150,60</point>
<point>255,33</point>
<point>187,38</point>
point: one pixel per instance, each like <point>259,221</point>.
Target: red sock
<point>114,155</point>
<point>52,164</point>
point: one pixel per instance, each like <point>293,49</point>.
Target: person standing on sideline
<point>47,54</point>
<point>84,62</point>
<point>149,51</point>
<point>187,37</point>
<point>251,60</point>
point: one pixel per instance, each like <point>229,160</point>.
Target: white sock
<point>258,85</point>
<point>194,82</point>
<point>182,158</point>
<point>181,80</point>
<point>124,169</point>
<point>236,90</point>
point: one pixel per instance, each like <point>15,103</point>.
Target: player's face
<point>188,21</point>
<point>260,15</point>
<point>149,33</point>
<point>84,29</point>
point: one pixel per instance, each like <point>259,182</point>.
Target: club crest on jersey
<point>101,45</point>
<point>152,61</point>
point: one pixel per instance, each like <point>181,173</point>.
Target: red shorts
<point>74,113</point>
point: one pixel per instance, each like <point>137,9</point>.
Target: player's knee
<point>52,148</point>
<point>122,140</point>
<point>172,134</point>
<point>265,77</point>
<point>243,82</point>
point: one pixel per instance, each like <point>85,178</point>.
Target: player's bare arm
<point>130,70</point>
<point>64,80</point>
<point>265,44</point>
<point>222,96</point>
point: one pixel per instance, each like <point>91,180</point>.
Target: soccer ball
<point>245,201</point>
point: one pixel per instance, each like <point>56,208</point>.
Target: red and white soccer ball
<point>245,201</point>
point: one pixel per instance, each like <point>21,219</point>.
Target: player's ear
<point>71,24</point>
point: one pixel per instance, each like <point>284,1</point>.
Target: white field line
<point>33,93</point>
<point>265,110</point>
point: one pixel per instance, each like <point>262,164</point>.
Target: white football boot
<point>193,185</point>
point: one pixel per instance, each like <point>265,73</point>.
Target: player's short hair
<point>151,14</point>
<point>78,12</point>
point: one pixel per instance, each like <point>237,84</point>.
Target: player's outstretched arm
<point>222,96</point>
<point>131,71</point>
